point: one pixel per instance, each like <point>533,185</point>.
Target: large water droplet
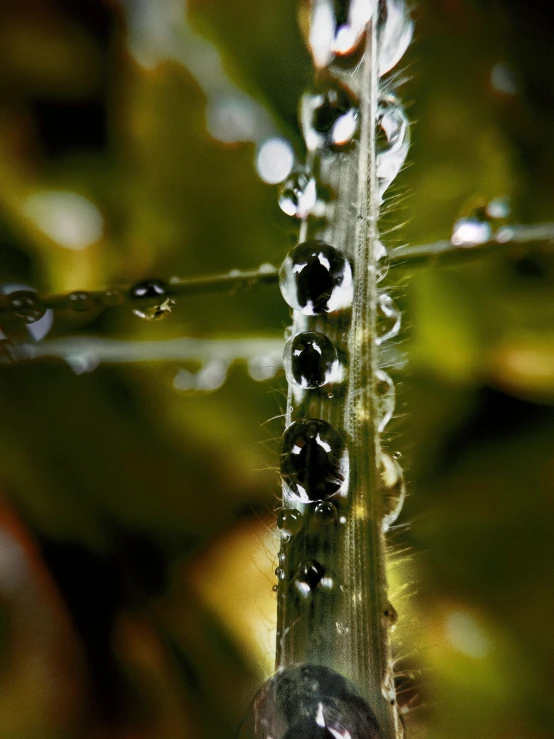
<point>311,361</point>
<point>386,399</point>
<point>316,278</point>
<point>309,702</point>
<point>289,521</point>
<point>314,460</point>
<point>329,118</point>
<point>151,299</point>
<point>298,195</point>
<point>389,319</point>
<point>393,487</point>
<point>393,140</point>
<point>395,34</point>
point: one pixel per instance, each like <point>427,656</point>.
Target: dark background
<point>136,544</point>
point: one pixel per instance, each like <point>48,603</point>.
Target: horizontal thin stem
<point>503,239</point>
<point>267,274</point>
<point>117,351</point>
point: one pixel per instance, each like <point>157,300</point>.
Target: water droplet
<point>289,521</point>
<point>394,489</point>
<point>151,297</point>
<point>329,118</point>
<point>471,232</point>
<point>389,319</point>
<point>393,140</point>
<point>25,305</point>
<point>397,455</point>
<point>275,588</point>
<point>149,292</point>
<point>386,399</point>
<point>309,576</point>
<point>316,278</point>
<point>310,360</point>
<point>16,329</point>
<point>325,512</point>
<point>298,195</point>
<point>382,262</point>
<point>314,460</point>
<point>395,34</point>
<point>280,573</point>
<point>337,27</point>
<point>309,702</point>
<point>281,557</point>
<point>81,301</point>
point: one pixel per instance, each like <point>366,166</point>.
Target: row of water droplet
<point>317,282</point>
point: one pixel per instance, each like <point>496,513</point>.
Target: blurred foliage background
<point>136,540</point>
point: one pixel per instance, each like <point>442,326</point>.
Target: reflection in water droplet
<point>24,304</point>
<point>155,312</point>
<point>336,28</point>
<point>314,460</point>
<point>393,140</point>
<point>310,360</point>
<point>395,34</point>
<point>316,278</point>
<point>309,576</point>
<point>309,702</point>
<point>386,399</point>
<point>394,489</point>
<point>389,319</point>
<point>81,301</point>
<point>329,118</point>
<point>298,195</point>
<point>289,521</point>
<point>325,512</point>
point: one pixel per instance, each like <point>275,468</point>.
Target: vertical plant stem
<point>365,546</point>
<point>343,626</point>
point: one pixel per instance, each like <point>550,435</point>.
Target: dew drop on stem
<point>298,195</point>
<point>314,460</point>
<point>389,319</point>
<point>310,360</point>
<point>316,278</point>
<point>329,118</point>
<point>309,702</point>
